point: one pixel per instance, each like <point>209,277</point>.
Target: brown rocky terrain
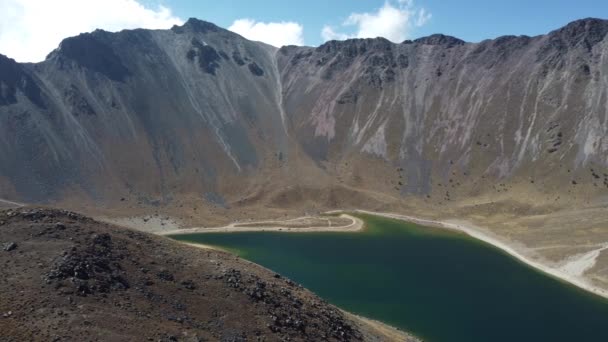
<point>66,277</point>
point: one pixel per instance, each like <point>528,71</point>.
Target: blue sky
<point>471,20</point>
<point>30,29</point>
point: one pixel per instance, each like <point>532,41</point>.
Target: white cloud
<point>30,29</point>
<point>393,21</point>
<point>274,33</point>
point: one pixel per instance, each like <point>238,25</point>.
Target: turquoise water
<point>439,285</point>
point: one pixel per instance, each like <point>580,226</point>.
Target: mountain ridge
<point>202,26</point>
<point>97,52</point>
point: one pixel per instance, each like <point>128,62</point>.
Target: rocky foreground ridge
<point>66,277</point>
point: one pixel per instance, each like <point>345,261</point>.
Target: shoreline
<point>579,281</point>
<point>355,226</point>
<point>480,234</point>
<point>561,273</point>
<point>388,331</point>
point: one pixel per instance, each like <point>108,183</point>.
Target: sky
<point>30,29</point>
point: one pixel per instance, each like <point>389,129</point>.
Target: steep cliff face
<point>500,108</point>
<point>147,111</point>
<point>199,110</point>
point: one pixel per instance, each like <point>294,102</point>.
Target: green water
<point>439,285</point>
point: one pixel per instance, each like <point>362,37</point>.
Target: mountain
<point>138,112</point>
<point>200,124</point>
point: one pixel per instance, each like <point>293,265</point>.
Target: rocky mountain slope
<point>504,108</point>
<point>200,124</point>
<point>199,112</point>
<point>67,277</point>
<point>142,112</point>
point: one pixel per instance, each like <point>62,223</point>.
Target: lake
<point>437,284</point>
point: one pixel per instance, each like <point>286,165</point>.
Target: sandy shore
<point>355,225</point>
<point>572,272</point>
<point>200,245</point>
<point>389,332</point>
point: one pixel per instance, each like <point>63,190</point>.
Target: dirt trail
<point>274,225</point>
<point>577,265</point>
<point>10,203</point>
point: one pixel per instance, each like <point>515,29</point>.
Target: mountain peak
<point>592,29</point>
<point>585,23</point>
<point>5,58</point>
<point>356,44</point>
<point>440,39</point>
<point>196,25</point>
<point>93,51</point>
